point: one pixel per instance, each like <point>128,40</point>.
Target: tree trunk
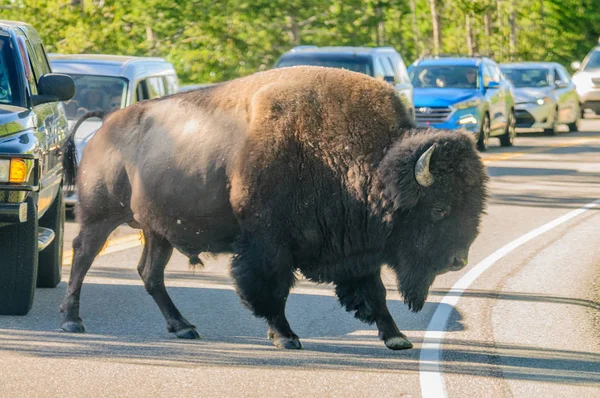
<point>487,32</point>
<point>380,28</point>
<point>469,34</point>
<point>512,21</point>
<point>437,28</point>
<point>293,30</point>
<point>415,28</point>
<point>500,25</point>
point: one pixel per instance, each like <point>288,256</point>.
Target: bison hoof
<point>398,343</point>
<point>73,327</point>
<point>284,343</point>
<point>188,333</point>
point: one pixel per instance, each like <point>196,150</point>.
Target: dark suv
<point>33,131</point>
<point>384,63</point>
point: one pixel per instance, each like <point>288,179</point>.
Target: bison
<point>307,169</point>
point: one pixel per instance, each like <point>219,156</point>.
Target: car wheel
<point>508,138</point>
<point>553,130</point>
<point>18,268</point>
<point>484,134</point>
<point>574,127</point>
<point>50,259</point>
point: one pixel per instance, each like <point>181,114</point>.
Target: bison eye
<point>439,212</point>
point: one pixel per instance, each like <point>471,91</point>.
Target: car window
<point>387,67</point>
<point>495,73</point>
<point>400,69</point>
<point>379,71</point>
<point>96,93</point>
<point>487,75</point>
<point>41,62</point>
<point>563,74</point>
<point>445,76</point>
<point>528,77</point>
<point>171,84</point>
<point>10,92</point>
<point>141,91</point>
<point>592,61</point>
<point>361,64</point>
<point>29,74</point>
<point>156,87</point>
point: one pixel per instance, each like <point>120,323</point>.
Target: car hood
<point>84,133</point>
<point>442,96</point>
<point>530,94</point>
<point>584,78</point>
<point>14,119</point>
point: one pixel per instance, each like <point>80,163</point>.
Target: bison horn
<point>422,173</point>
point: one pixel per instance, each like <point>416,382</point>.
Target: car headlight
<point>542,101</point>
<point>467,104</point>
<point>13,170</point>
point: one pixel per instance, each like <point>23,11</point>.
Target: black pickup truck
<point>33,134</point>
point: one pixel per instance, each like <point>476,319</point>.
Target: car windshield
<point>445,76</point>
<point>593,61</point>
<point>96,93</point>
<point>9,82</point>
<point>530,77</point>
<point>360,65</point>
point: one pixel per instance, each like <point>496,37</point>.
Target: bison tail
<point>69,159</point>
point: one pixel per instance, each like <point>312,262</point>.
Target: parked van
<point>107,83</point>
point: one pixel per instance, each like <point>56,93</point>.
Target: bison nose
<point>461,259</point>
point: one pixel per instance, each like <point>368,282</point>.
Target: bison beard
<point>305,169</point>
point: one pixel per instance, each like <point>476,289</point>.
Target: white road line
<point>432,381</point>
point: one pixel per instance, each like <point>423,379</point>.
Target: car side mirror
<point>576,65</point>
<point>561,84</point>
<point>492,84</point>
<point>389,79</point>
<point>54,87</point>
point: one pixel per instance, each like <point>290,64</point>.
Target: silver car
<point>545,96</point>
<point>587,80</point>
<point>110,82</point>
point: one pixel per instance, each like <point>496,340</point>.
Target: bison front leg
<point>263,283</point>
<point>366,297</point>
<point>156,255</point>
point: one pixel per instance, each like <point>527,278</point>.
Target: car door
<point>494,98</point>
<point>47,127</point>
<point>569,97</point>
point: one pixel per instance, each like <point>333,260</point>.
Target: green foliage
<point>210,41</point>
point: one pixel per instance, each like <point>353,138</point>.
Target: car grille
<point>432,114</point>
<point>524,118</point>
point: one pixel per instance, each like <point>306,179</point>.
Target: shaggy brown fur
<point>302,168</point>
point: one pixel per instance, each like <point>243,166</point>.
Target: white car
<point>110,82</point>
<point>587,80</point>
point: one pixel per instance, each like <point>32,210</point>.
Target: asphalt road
<point>528,326</point>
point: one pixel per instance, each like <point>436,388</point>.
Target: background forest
<point>210,41</point>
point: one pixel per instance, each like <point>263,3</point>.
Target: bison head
<point>435,186</point>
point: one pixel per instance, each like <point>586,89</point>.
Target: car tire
<point>50,259</point>
<point>574,127</point>
<point>18,268</point>
<point>484,134</point>
<point>508,138</point>
<point>553,130</point>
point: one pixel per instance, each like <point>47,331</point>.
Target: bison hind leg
<point>263,281</point>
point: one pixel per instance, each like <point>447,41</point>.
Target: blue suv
<point>464,93</point>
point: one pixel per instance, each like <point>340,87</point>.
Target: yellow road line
<point>512,155</point>
<point>112,245</point>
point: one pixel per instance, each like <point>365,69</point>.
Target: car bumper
<point>12,213</point>
<point>464,119</point>
<point>71,200</point>
<point>589,98</point>
<point>530,115</point>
